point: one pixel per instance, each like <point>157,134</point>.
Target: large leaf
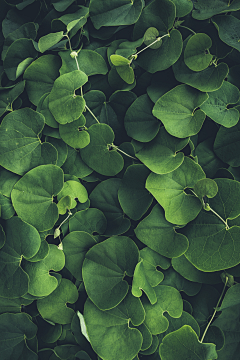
<point>40,76</point>
<point>47,41</point>
<point>216,106</point>
<point>160,235</point>
<point>99,153</point>
<point>133,197</point>
<point>89,220</point>
<point>174,279</point>
<point>15,330</point>
<point>64,104</point>
<point>110,333</point>
<point>204,9</point>
<point>182,343</point>
<point>75,246</point>
<point>168,300</point>
<point>161,155</point>
<point>114,12</point>
<point>168,190</point>
<point>22,241</point>
<point>32,196</point>
<point>227,145</point>
<point>53,307</point>
<point>228,29</point>
<point>213,246</point>
<point>106,273</point>
<point>177,110</point>
<point>41,283</point>
<point>20,147</point>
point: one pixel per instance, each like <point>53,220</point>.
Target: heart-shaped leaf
<point>75,134</point>
<point>196,55</point>
<point>90,220</point>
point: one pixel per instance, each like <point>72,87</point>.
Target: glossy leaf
<point>107,274</point>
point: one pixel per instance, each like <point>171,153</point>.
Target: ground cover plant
<point>119,179</point>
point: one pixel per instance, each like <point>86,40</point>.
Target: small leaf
<point>206,187</point>
<point>150,36</point>
<point>196,54</point>
<point>118,60</point>
<point>47,41</point>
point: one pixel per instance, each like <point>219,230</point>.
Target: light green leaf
<point>133,197</point>
<point>43,108</point>
<point>196,54</point>
<point>216,106</point>
<point>47,41</point>
<point>111,333</point>
<point>119,12</point>
<point>32,196</point>
<point>227,145</point>
<point>74,164</point>
<point>98,154</point>
<point>118,60</point>
<point>15,330</point>
<point>106,273</point>
<point>228,29</point>
<point>206,187</point>
<point>89,220</point>
<point>184,342</point>
<point>7,180</point>
<point>177,110</point>
<point>150,36</point>
<point>75,246</point>
<point>168,300</point>
<point>126,73</point>
<point>22,241</point>
<point>53,307</point>
<point>159,235</point>
<point>213,247</point>
<point>75,190</point>
<point>41,283</point>
<point>64,204</point>
<point>6,208</point>
<point>20,147</point>
<point>139,122</point>
<point>40,76</point>
<point>64,104</point>
<point>168,190</point>
<point>75,134</point>
<point>146,276</point>
<point>161,154</point>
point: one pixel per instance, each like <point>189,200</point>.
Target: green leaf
<point>105,198</point>
<point>177,110</point>
<point>7,181</point>
<point>2,237</point>
<point>119,12</point>
<point>168,190</point>
<point>62,5</point>
<point>146,276</point>
<point>61,147</point>
<point>8,96</point>
<point>22,241</point>
<point>90,220</point>
<point>47,41</point>
<point>74,164</point>
<point>15,330</point>
<point>206,187</point>
<point>227,145</point>
<point>89,61</point>
<point>126,73</point>
<point>183,7</point>
<point>174,279</point>
<point>18,52</point>
<point>209,79</point>
<point>43,108</point>
<point>205,10</point>
<point>32,196</point>
<point>213,247</point>
<point>231,297</point>
<point>182,343</point>
<point>53,307</point>
<point>64,104</point>
<point>150,36</point>
<point>161,236</point>
<point>111,334</point>
<point>20,147</point>
<point>41,283</point>
<point>40,76</point>
<point>133,197</point>
<point>64,204</point>
<point>196,54</point>
<point>216,106</point>
<point>118,60</point>
<point>75,190</point>
<point>139,122</point>
<point>165,56</point>
<point>160,155</point>
<point>98,154</point>
<point>228,29</point>
<point>75,134</point>
<point>168,300</point>
<point>47,332</point>
<point>6,208</point>
<point>75,246</point>
<point>106,273</point>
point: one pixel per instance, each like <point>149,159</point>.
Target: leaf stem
<point>214,212</point>
<point>92,113</point>
<point>123,152</point>
<point>207,327</point>
<point>69,214</point>
<point>185,27</point>
<point>158,39</point>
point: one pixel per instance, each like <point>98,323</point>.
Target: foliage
<point>119,179</point>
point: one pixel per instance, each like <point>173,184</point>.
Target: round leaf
<point>206,187</point>
<point>75,190</point>
<point>150,36</point>
<point>106,273</point>
<point>74,134</point>
<point>196,54</point>
<point>89,220</point>
<point>32,196</point>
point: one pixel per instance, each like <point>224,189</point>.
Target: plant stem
<point>158,39</point>
<point>205,331</point>
<point>123,152</point>
<point>92,113</point>
<point>185,27</point>
<point>69,214</point>
<point>225,222</point>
